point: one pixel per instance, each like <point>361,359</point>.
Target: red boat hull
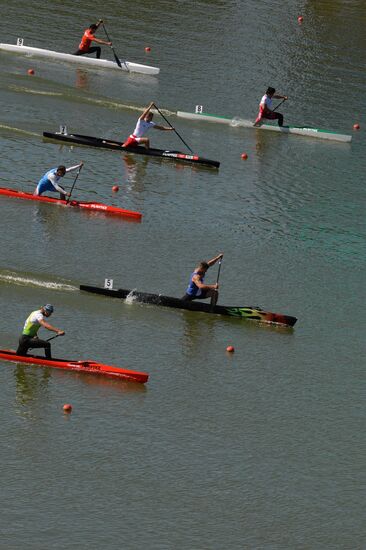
<point>94,206</point>
<point>91,367</point>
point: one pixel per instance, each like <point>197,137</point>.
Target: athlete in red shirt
<point>88,38</point>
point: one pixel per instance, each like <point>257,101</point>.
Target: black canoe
<point>249,313</point>
<point>89,141</point>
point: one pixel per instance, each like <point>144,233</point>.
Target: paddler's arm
<point>72,168</point>
<point>51,327</point>
<point>53,179</point>
<point>157,127</point>
<point>147,110</point>
<point>99,41</point>
<point>215,259</point>
<point>197,281</point>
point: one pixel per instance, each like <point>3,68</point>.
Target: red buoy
<point>244,156</point>
<point>147,49</point>
<point>67,408</point>
<point>230,349</point>
<point>356,126</point>
<point>115,188</point>
<point>30,71</point>
<point>300,19</point>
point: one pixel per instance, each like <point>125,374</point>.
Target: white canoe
<point>300,130</point>
<point>81,59</point>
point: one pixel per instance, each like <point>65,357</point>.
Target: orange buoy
<point>115,188</point>
<point>67,408</point>
<point>230,349</point>
<point>30,71</point>
<point>244,156</point>
<point>356,126</point>
<point>300,19</point>
<point>147,49</point>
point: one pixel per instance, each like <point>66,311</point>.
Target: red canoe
<point>95,206</point>
<point>92,367</point>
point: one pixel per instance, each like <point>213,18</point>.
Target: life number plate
<point>199,109</point>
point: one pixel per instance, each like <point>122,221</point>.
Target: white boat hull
<point>81,59</point>
<point>235,122</point>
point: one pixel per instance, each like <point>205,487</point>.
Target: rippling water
<point>260,449</point>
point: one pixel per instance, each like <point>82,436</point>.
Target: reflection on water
<point>82,79</point>
<point>198,332</point>
<point>47,220</point>
<point>29,384</point>
<point>134,172</point>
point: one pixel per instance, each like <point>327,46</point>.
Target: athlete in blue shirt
<point>197,289</point>
<point>49,182</point>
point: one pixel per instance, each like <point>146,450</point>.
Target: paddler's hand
<point>60,332</point>
<point>81,164</point>
<point>109,44</point>
<point>100,22</point>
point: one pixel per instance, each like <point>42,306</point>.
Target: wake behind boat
<point>91,367</point>
<point>84,205</point>
<point>126,66</point>
<point>236,122</point>
<point>90,141</point>
<point>241,312</point>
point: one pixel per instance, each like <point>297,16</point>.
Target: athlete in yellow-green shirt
<point>29,338</point>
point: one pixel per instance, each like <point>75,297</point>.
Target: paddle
<point>53,337</point>
<point>117,60</point>
<point>217,282</point>
<point>167,121</point>
<point>73,185</point>
<point>278,105</point>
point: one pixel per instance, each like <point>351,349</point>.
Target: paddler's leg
<point>24,345</point>
<point>214,295</point>
<point>258,120</point>
<point>144,141</point>
<point>275,116</point>
<point>95,49</point>
<point>38,343</point>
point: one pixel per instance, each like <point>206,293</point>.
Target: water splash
<point>131,298</point>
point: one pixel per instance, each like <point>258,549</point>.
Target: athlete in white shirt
<point>144,124</point>
<point>265,107</point>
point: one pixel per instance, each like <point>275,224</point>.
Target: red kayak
<point>91,367</point>
<point>95,206</point>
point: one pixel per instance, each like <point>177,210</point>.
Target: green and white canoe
<point>299,130</point>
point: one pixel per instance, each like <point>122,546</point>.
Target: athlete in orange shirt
<point>88,38</point>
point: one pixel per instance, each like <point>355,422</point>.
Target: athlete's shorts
<point>131,141</point>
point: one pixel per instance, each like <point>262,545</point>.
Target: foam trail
<point>18,130</point>
<point>31,91</point>
<point>27,280</point>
